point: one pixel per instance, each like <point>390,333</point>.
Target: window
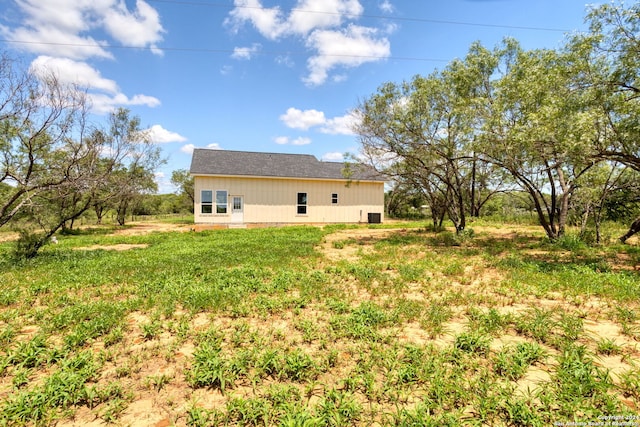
<point>237,204</point>
<point>206,201</point>
<point>221,202</point>
<point>302,203</point>
<point>334,198</point>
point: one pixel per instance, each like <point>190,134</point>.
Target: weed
<point>577,376</point>
<point>115,336</point>
<point>249,412</point>
<point>299,366</point>
<point>20,378</point>
<point>434,318</point>
<point>309,330</point>
<point>264,282</point>
<point>490,322</point>
<point>472,342</point>
<point>31,353</point>
<point>608,347</point>
<point>537,324</point>
<point>339,408</point>
<point>200,417</point>
<point>571,326</point>
<point>7,334</point>
<point>113,408</point>
<point>520,412</point>
<point>411,272</point>
<point>362,323</point>
<point>63,389</point>
<point>157,382</point>
<point>630,383</point>
<point>513,362</point>
<point>210,369</point>
<point>151,329</point>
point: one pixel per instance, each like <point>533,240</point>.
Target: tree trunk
<point>633,229</point>
<point>474,211</point>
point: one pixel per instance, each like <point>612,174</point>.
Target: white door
<point>237,209</point>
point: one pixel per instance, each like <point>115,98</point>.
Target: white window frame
<point>222,208</point>
<point>302,204</point>
<point>206,204</point>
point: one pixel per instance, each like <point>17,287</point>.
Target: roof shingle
<point>277,165</point>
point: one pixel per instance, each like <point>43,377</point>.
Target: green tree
<point>53,167</point>
<point>183,181</point>
<point>597,187</point>
<point>424,132</point>
<point>612,48</point>
<point>132,161</point>
<point>541,130</point>
<point>42,124</point>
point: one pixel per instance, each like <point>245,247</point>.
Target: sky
<point>261,75</point>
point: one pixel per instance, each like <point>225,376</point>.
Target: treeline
<point>56,164</point>
<point>558,126</point>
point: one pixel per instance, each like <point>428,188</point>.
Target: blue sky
<point>261,75</point>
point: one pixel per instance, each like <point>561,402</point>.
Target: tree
<point>183,181</point>
<point>612,47</point>
<point>424,132</point>
<point>54,165</point>
<point>541,130</point>
<point>135,160</point>
<point>42,124</point>
<point>597,187</point>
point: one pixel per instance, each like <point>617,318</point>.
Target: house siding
<point>274,200</point>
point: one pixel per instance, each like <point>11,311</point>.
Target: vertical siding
<point>275,200</point>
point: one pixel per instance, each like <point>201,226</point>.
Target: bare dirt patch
<point>346,244</point>
<point>141,228</point>
<point>117,247</point>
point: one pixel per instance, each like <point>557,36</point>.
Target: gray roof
<point>247,163</point>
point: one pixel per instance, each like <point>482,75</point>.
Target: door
<point>237,209</point>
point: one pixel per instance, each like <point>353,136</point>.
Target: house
<point>241,188</point>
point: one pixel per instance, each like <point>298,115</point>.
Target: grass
<point>257,327</point>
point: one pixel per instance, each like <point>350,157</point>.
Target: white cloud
<point>386,6</point>
<point>350,47</point>
<point>140,28</point>
<point>268,21</point>
<point>309,15</point>
<point>307,119</point>
<point>52,41</point>
<point>160,135</point>
<point>333,157</point>
<point>60,27</point>
<point>305,16</point>
<point>188,148</point>
<point>69,71</point>
<point>58,30</point>
<point>321,24</point>
<point>103,94</point>
<point>297,119</point>
<point>301,141</point>
<point>246,52</point>
<point>285,140</point>
<point>105,104</point>
<point>342,125</point>
<point>285,60</point>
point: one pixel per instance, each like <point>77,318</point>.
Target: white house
<point>240,188</point>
